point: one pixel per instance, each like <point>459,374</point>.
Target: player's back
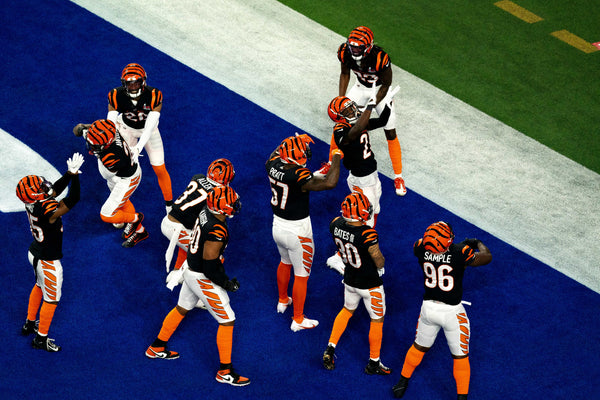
<point>443,273</point>
<point>354,241</point>
<point>188,205</point>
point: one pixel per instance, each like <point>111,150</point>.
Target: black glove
<point>472,243</point>
<point>231,285</point>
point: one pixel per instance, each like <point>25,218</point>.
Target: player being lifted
<point>122,174</point>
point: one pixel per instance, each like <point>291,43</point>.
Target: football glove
<point>74,163</point>
<point>231,285</point>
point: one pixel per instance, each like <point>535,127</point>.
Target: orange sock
<point>283,281</point>
<point>332,147</point>
<point>164,181</point>
<point>35,299</point>
<point>339,325</point>
<point>170,323</point>
<point>181,257</point>
<point>395,155</point>
<point>412,360</point>
<point>375,337</point>
<point>462,375</point>
<point>299,297</point>
<point>225,343</point>
<point>46,315</point>
<point>124,214</point>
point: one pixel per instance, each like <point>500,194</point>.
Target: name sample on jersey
<point>440,258</point>
<point>342,234</point>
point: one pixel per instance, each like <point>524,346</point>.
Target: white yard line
<point>467,162</point>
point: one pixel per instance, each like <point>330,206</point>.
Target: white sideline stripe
<point>467,162</point>
<point>12,154</point>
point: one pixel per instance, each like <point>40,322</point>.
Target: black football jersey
<point>207,228</point>
<point>188,205</point>
<point>358,155</point>
<point>443,273</point>
<point>134,115</point>
<point>353,243</point>
<point>370,67</point>
<point>117,158</point>
<point>288,200</point>
<point>48,237</point>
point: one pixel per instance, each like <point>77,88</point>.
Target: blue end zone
<point>534,330</point>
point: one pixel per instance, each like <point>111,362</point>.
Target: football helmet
<point>343,109</point>
<point>100,135</point>
<point>32,188</point>
<point>360,42</point>
<point>133,79</point>
<point>220,172</point>
<point>356,207</point>
<point>224,200</point>
<point>295,150</point>
<point>438,237</point>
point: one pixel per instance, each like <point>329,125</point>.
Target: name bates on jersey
<point>342,234</point>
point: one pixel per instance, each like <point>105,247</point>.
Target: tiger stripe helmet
<point>356,207</point>
<point>438,237</point>
<point>221,172</point>
<point>32,188</point>
<point>133,79</point>
<point>100,135</point>
<point>224,200</point>
<point>360,42</point>
<point>343,109</point>
<point>295,150</point>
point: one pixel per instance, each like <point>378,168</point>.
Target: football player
<point>351,135</point>
<point>135,108</point>
<point>358,244</point>
<point>443,263</point>
<point>45,213</point>
<point>373,70</point>
<point>291,183</point>
<point>178,224</point>
<point>205,280</point>
<point>122,173</point>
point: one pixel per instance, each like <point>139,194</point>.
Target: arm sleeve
<point>73,196</point>
<point>151,124</point>
<point>376,123</point>
<point>213,269</point>
<point>61,184</point>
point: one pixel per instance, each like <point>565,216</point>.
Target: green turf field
<point>512,70</point>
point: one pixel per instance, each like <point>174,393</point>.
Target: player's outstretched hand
<point>472,243</point>
<point>74,163</point>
